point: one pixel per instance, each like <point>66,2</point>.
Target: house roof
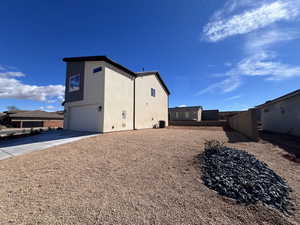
<point>35,114</point>
<point>99,58</point>
<point>282,98</point>
<point>119,66</point>
<point>188,107</point>
<point>156,73</point>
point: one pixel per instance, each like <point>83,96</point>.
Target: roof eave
<point>99,58</point>
<point>158,76</point>
<point>279,99</point>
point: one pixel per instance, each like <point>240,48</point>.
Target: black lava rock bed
<point>239,175</point>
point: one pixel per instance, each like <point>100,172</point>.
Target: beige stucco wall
<point>282,117</point>
<point>118,98</point>
<point>245,123</point>
<point>93,98</point>
<point>149,110</point>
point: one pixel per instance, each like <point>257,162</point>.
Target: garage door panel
<point>85,118</point>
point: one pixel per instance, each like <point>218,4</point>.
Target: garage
<point>85,118</point>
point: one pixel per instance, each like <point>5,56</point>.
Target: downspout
<point>134,103</point>
<point>168,111</point>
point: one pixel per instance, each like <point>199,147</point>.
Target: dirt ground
<point>135,177</point>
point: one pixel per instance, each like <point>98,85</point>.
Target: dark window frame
<point>97,69</point>
<point>153,92</point>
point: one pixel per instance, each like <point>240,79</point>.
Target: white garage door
<point>85,118</point>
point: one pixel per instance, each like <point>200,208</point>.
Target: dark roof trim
<point>188,107</point>
<point>99,58</point>
<point>157,75</point>
<point>284,97</point>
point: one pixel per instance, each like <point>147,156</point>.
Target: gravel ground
<point>135,177</point>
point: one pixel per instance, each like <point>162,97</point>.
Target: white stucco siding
<point>118,107</point>
<point>148,109</point>
<point>88,108</point>
<point>94,83</point>
<point>283,116</point>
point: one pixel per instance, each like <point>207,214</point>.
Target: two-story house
<point>103,96</point>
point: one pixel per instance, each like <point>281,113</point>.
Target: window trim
<point>72,77</point>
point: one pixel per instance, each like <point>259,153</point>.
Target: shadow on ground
<point>41,137</point>
<point>291,144</point>
<point>234,136</point>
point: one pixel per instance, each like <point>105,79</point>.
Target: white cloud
<point>262,41</point>
<point>11,87</point>
<point>182,106</point>
<point>263,65</point>
<point>259,59</point>
<point>7,74</point>
<point>228,64</point>
<point>262,61</point>
<point>233,98</point>
<point>272,11</point>
<point>228,85</point>
<point>231,5</point>
<point>51,101</point>
<point>49,108</point>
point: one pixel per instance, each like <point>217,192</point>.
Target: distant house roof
<point>35,114</point>
<point>211,110</point>
<point>282,98</point>
<point>187,107</point>
<point>156,73</point>
<point>99,58</point>
<point>2,114</point>
<point>225,112</point>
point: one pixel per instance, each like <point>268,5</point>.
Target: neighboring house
<point>185,113</point>
<point>282,115</point>
<point>226,114</point>
<point>102,96</point>
<point>35,118</point>
<point>209,115</point>
<point>2,116</point>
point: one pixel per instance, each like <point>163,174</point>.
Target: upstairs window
<point>74,82</point>
<point>97,69</point>
<point>153,92</point>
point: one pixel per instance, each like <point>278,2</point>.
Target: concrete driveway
<point>22,145</point>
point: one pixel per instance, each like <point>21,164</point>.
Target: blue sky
<point>227,55</point>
